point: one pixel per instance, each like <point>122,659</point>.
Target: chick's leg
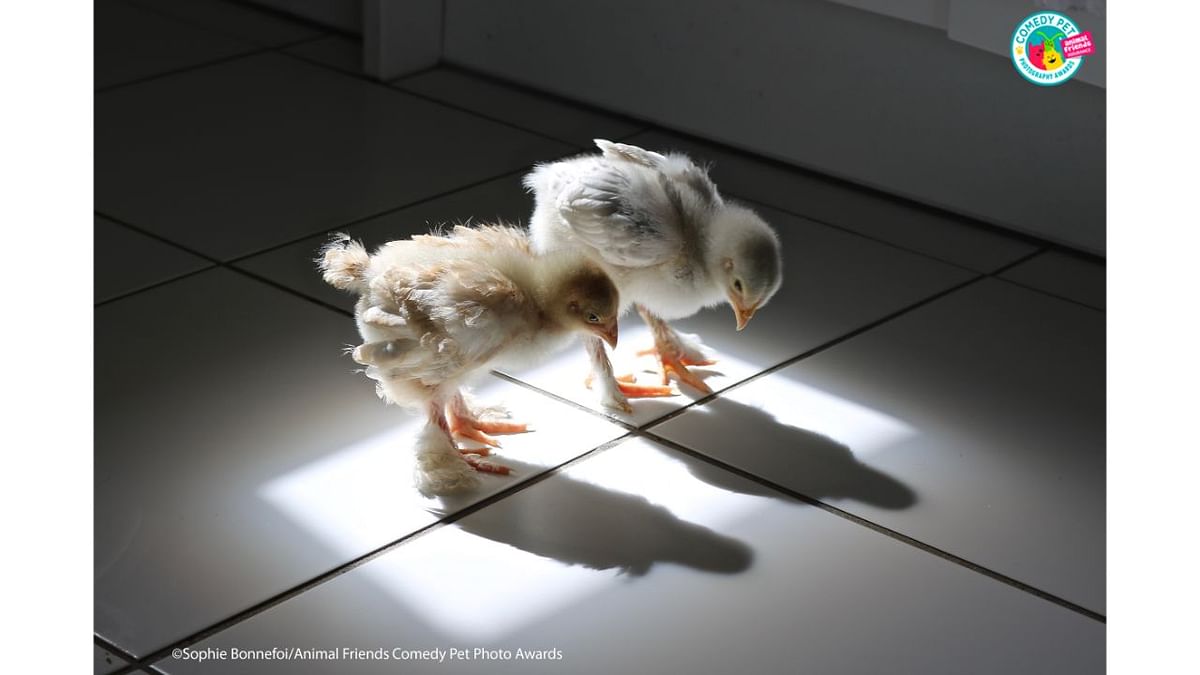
<point>615,392</point>
<point>465,423</point>
<point>473,457</point>
<point>440,469</point>
<point>675,353</point>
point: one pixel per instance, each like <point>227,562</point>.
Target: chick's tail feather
<point>343,262</point>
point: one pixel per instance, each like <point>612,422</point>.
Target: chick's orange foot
<point>635,390</point>
<point>465,425</point>
<point>674,361</point>
<point>685,359</point>
<point>627,385</point>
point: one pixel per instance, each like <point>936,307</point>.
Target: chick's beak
<point>742,313</point>
<point>608,333</point>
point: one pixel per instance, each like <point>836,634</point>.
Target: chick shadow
<point>578,523</point>
<point>826,469</point>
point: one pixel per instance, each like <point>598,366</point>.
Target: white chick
<point>661,230</point>
<point>434,310</point>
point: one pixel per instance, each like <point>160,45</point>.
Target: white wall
<point>877,100</point>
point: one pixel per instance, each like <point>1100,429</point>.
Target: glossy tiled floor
<point>902,470</point>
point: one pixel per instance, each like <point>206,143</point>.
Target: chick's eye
<point>737,285</point>
<point>592,318</point>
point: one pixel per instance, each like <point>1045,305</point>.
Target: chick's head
<point>749,263</point>
<point>586,300</point>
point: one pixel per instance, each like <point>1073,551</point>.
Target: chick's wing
<point>630,215</point>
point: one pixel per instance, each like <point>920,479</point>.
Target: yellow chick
<point>660,228</point>
<point>436,309</point>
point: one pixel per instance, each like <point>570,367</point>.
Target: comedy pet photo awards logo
<point>1048,48</point>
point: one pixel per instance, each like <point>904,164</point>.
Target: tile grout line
<point>255,51</point>
<point>1046,248</point>
<point>496,120</point>
<point>634,430</point>
<point>579,406</point>
<point>396,86</point>
<point>394,209</point>
<point>649,124</point>
<point>642,124</point>
<point>1023,259</point>
<point>156,236</point>
<point>150,287</point>
<point>1082,256</point>
<point>229,265</point>
<point>213,262</point>
<point>217,264</point>
<point>646,426</point>
<point>372,216</point>
<point>645,432</point>
<point>828,344</point>
<point>390,210</point>
<point>1052,295</point>
<point>245,6</point>
<point>110,646</point>
<point>891,199</point>
<point>631,430</point>
<point>186,69</point>
<point>281,287</point>
<point>303,587</point>
<point>871,525</point>
<point>326,230</point>
<point>847,230</point>
<point>770,369</point>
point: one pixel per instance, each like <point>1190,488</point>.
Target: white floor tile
<point>974,424</point>
<point>498,200</point>
<point>1063,275</point>
<point>939,235</point>
<point>568,123</point>
<point>636,560</point>
<point>133,43</point>
<point>834,282</point>
<point>238,454</point>
<point>240,156</point>
<point>126,260</point>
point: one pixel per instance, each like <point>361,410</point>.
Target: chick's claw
<point>502,428</point>
<point>684,359</point>
<point>629,388</point>
<point>615,400</point>
<point>634,390</point>
<point>479,430</point>
<point>673,365</point>
<point>484,466</point>
<point>473,433</point>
